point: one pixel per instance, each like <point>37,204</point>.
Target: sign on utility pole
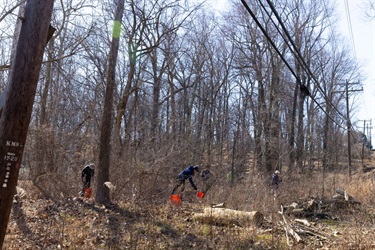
<point>18,99</point>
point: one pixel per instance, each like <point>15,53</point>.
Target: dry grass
<point>72,223</point>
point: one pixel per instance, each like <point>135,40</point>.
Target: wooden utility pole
<point>18,99</point>
<point>369,133</point>
<point>366,140</point>
<point>349,126</point>
<point>363,142</point>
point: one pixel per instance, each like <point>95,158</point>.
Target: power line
<point>304,65</point>
<point>330,22</point>
<point>300,58</point>
<point>348,18</point>
<point>270,40</point>
<point>287,64</point>
<point>307,68</point>
<point>349,125</point>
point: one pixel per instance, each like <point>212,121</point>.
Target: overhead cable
<point>349,20</point>
<point>284,60</point>
<point>305,66</point>
<point>301,59</point>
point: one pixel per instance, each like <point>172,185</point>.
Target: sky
<point>363,49</point>
<point>363,32</point>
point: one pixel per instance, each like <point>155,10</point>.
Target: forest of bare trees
<point>146,88</point>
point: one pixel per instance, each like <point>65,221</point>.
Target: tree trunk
<point>128,90</point>
<point>155,123</point>
<point>42,141</point>
<point>19,98</point>
<point>102,193</point>
<point>259,120</point>
<point>326,131</point>
<point>293,128</point>
<point>300,134</point>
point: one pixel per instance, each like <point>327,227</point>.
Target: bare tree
<point>102,194</point>
<point>181,88</point>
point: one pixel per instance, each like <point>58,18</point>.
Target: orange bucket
<point>88,192</point>
<point>175,199</point>
<point>200,194</point>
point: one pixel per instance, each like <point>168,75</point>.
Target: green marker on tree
<point>116,29</point>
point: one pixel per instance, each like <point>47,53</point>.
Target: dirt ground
<point>76,223</point>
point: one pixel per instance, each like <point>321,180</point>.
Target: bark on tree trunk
<point>41,143</point>
<point>155,99</point>
<point>102,193</point>
<point>326,131</point>
<point>293,128</point>
<point>19,98</point>
<point>300,134</point>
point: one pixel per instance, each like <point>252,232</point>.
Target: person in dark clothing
<point>86,175</point>
<point>186,174</point>
<point>275,182</point>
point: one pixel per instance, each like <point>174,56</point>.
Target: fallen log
<point>334,204</point>
<point>298,212</point>
<point>347,196</point>
<point>226,216</point>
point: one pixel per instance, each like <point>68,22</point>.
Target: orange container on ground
<point>175,199</point>
<point>88,192</point>
<point>200,194</point>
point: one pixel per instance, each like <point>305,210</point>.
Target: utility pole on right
<point>348,124</point>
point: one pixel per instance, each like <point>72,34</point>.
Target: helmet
<point>277,172</point>
<point>196,168</point>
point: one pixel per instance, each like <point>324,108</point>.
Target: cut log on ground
<point>226,216</point>
<point>347,196</point>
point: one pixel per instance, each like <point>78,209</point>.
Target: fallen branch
<point>36,182</point>
<point>288,228</point>
<point>311,231</point>
<point>304,222</point>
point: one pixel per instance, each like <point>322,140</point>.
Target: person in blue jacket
<point>186,174</point>
<point>275,182</point>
